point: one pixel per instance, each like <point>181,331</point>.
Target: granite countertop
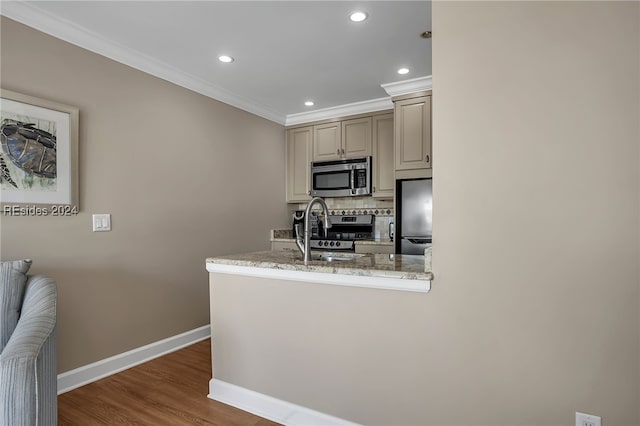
<point>406,267</point>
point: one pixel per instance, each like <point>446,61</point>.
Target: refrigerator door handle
<point>419,240</point>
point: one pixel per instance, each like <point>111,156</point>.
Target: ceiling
<point>285,53</point>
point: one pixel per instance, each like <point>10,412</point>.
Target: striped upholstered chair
<point>28,379</point>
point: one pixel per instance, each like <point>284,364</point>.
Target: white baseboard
<point>98,370</point>
<point>269,407</point>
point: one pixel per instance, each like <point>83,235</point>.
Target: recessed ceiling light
<point>225,58</point>
<point>309,103</point>
<point>358,16</point>
<point>403,71</point>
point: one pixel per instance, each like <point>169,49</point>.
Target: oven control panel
<point>332,244</point>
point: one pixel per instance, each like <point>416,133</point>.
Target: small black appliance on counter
<point>298,218</point>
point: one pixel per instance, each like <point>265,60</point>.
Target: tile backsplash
<point>382,209</point>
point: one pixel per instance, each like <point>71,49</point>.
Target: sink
<point>335,257</point>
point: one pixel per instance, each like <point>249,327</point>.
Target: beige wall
<point>375,357</point>
<point>533,314</point>
<point>178,173</point>
<point>538,261</point>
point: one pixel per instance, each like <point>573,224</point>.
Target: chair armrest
<point>37,319</point>
<point>28,361</point>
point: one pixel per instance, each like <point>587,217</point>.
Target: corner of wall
<point>638,187</point>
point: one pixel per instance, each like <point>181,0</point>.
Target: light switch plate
<point>583,419</point>
<point>101,222</point>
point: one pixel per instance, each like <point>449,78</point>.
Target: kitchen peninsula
<point>286,335</point>
<point>386,271</point>
<point>329,340</point>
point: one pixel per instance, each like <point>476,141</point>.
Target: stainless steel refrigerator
<point>414,205</point>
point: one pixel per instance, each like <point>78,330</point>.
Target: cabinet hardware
<point>374,189</point>
<point>427,158</point>
<point>342,151</point>
<point>338,151</point>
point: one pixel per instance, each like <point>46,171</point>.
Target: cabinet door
<point>413,133</point>
<point>356,137</point>
<point>374,248</point>
<point>299,145</point>
<point>327,144</point>
<point>383,171</point>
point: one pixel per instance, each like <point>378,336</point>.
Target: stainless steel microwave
<point>341,178</point>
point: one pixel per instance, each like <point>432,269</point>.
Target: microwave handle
<point>353,180</point>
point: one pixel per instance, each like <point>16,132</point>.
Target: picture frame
<point>38,152</point>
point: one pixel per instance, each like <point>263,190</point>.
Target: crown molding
<point>36,18</point>
<point>403,87</point>
<point>339,111</point>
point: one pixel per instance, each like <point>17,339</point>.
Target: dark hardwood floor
<point>170,390</point>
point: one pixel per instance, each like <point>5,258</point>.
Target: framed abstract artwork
<point>38,151</point>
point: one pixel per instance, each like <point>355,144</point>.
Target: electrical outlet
<point>583,419</point>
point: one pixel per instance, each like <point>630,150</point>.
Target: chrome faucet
<point>305,245</point>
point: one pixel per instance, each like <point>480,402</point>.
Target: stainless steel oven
<point>341,178</point>
<point>344,232</point>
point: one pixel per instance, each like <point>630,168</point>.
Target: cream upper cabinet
<point>359,136</point>
<point>342,139</point>
<point>413,133</point>
<point>327,141</point>
<point>356,137</point>
<point>383,171</point>
<point>298,153</point>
